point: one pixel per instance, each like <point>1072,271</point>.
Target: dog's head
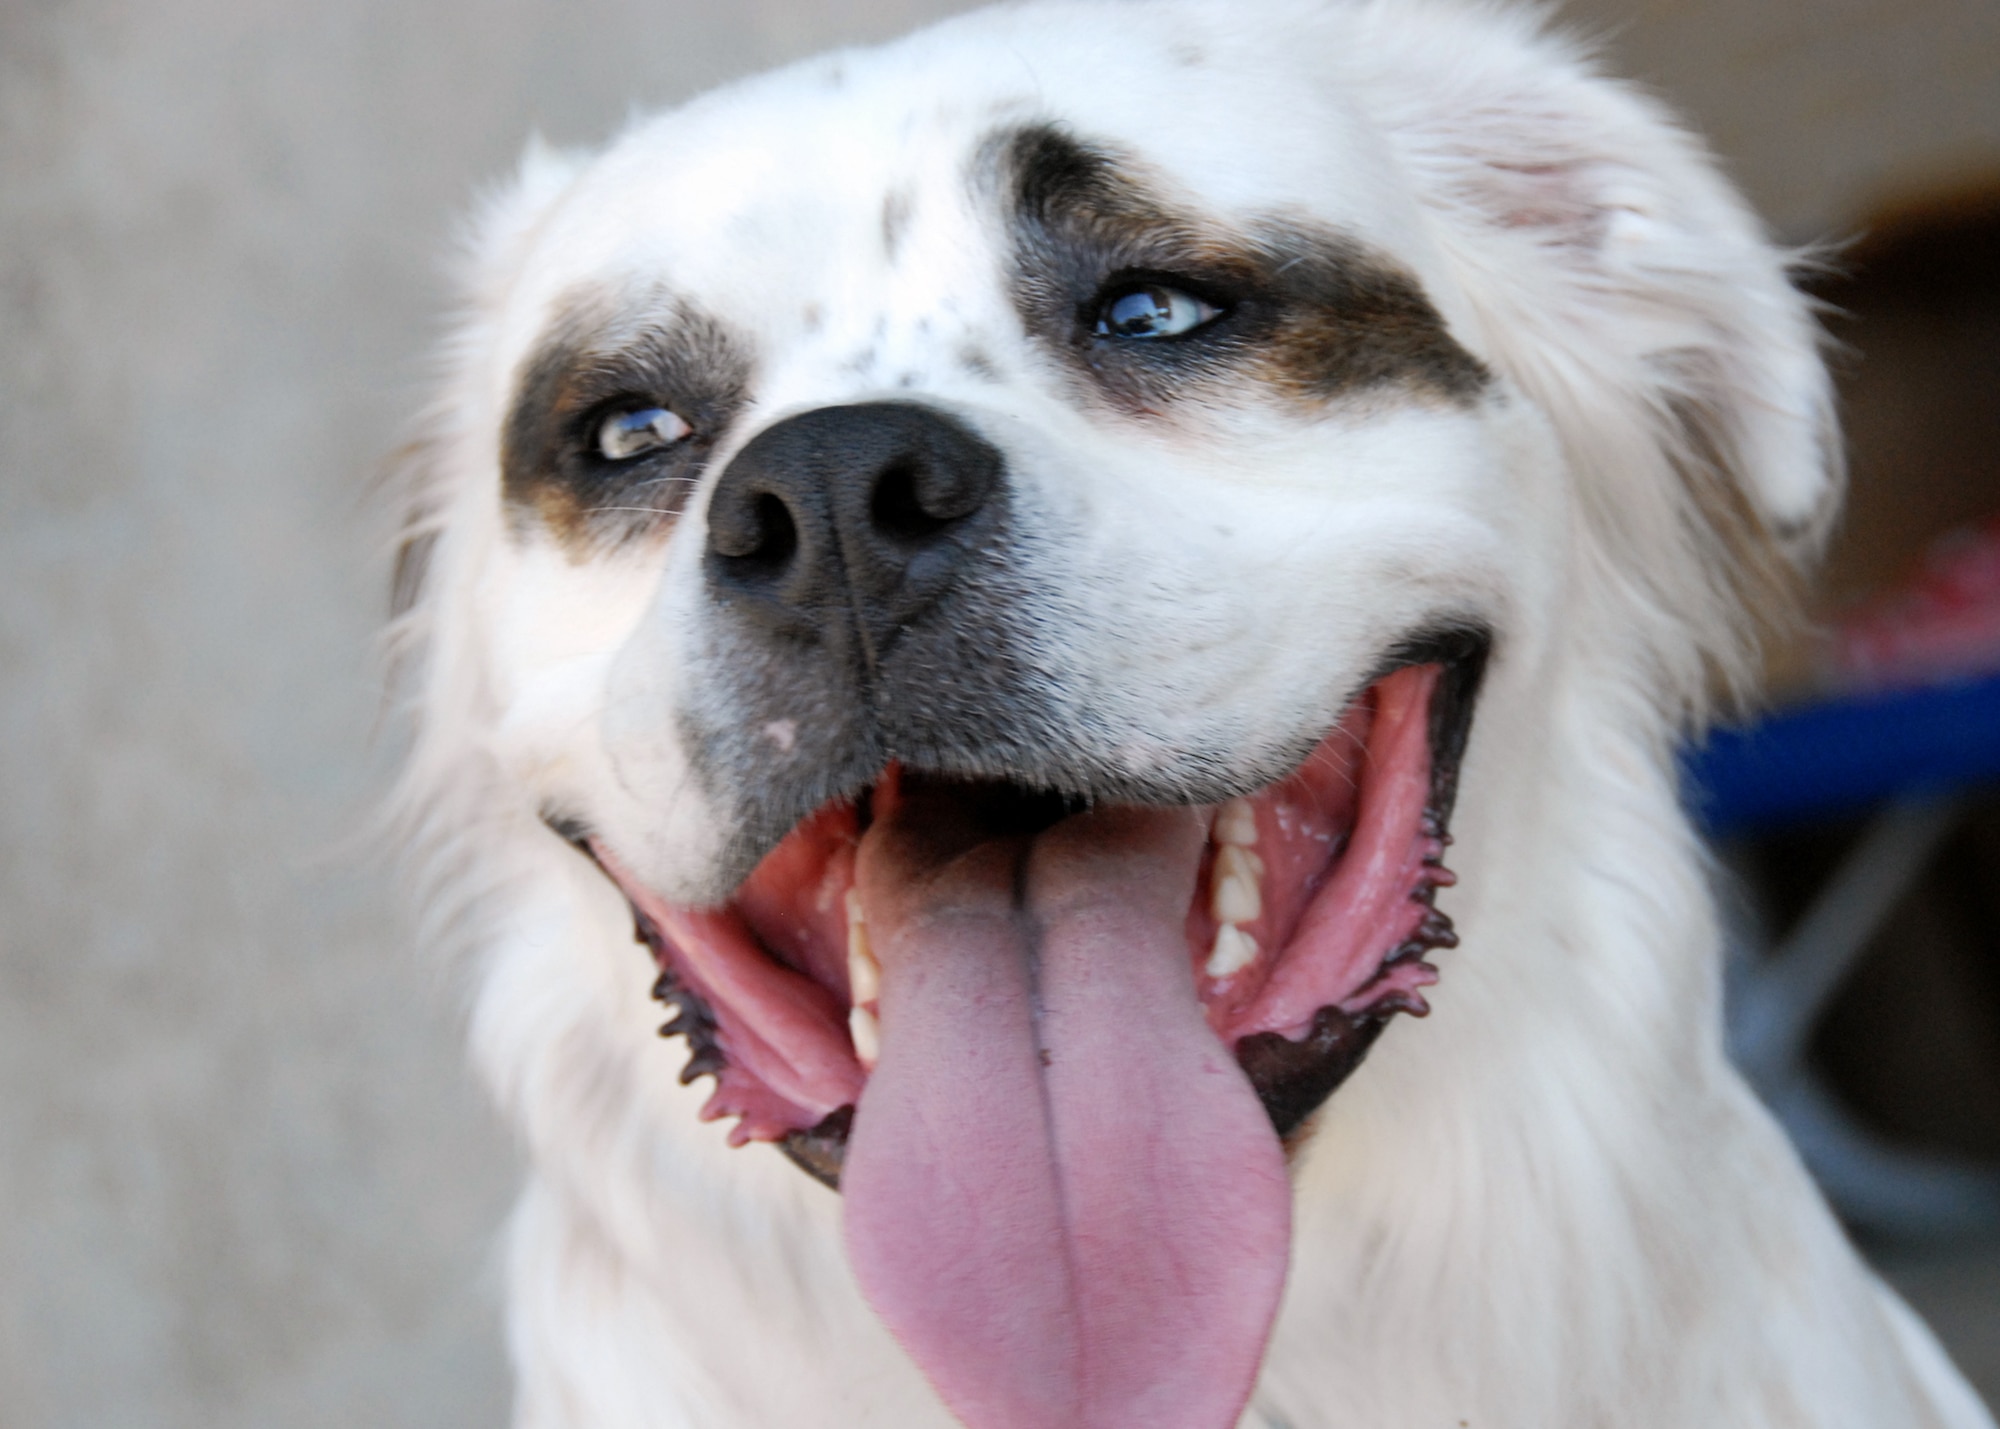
<point>992,545</point>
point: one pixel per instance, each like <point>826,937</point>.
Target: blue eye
<point>639,432</point>
<point>1146,311</point>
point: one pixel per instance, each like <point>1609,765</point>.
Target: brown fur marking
<point>1309,313</point>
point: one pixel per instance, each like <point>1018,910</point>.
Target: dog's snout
<point>851,518</point>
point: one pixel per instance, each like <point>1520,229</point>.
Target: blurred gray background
<point>243,1180</point>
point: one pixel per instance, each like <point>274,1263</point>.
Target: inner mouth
<point>1307,921</point>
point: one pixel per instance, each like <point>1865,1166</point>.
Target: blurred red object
<point>1943,624</point>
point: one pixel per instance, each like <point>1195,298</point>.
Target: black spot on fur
<point>978,364</point>
<point>896,210</point>
<point>600,355</point>
<point>1307,311</point>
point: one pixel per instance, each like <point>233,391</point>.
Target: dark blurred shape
<point>1919,305</point>
<point>1913,1041</point>
<point>1863,817</point>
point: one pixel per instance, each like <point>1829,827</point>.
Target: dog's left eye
<point>639,432</point>
<point>1152,310</point>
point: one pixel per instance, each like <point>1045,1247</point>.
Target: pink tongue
<point>1062,1194</point>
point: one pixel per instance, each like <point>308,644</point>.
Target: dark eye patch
<point>594,447</point>
<point>1303,310</point>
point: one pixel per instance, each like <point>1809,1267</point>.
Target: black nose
<point>851,520</point>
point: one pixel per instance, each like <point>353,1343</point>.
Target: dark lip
<point>1292,1079</point>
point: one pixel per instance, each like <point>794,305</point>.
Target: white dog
<point>995,555</point>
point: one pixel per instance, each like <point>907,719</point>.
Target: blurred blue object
<point>1907,759</point>
<point>1841,756</point>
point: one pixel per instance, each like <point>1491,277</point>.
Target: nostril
<point>778,537</point>
<point>841,515</point>
<point>897,507</point>
<point>758,537</point>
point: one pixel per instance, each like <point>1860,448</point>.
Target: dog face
<point>1098,624</point>
<point>992,546</point>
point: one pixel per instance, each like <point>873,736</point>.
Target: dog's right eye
<point>639,431</point>
<point>1151,311</point>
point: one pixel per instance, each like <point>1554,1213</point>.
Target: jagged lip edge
<point>1293,1080</point>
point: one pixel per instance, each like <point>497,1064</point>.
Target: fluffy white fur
<point>1553,1203</point>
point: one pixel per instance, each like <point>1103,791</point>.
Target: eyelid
<point>1217,290</point>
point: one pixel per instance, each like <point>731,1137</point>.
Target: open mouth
<point>1307,922</point>
<point>1043,1048</point>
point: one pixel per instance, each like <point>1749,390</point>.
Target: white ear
<point>1614,277</point>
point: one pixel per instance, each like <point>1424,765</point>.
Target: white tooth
<point>1234,861</point>
<point>1234,899</point>
<point>1236,823</point>
<point>867,1035</point>
<point>864,974</point>
<point>1234,951</point>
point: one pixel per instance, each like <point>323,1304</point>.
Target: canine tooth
<point>864,974</point>
<point>867,1035</point>
<point>1234,951</point>
<point>1234,898</point>
<point>1236,824</point>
